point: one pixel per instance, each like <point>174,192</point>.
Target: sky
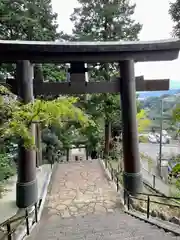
<point>157,25</point>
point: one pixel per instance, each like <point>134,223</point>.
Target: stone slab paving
<point>80,188</point>
<point>82,204</point>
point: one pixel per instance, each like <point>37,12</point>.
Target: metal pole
<point>161,128</point>
<point>154,181</point>
<point>148,206</point>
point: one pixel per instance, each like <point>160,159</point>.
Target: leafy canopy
<point>29,20</point>
<point>21,116</point>
<point>142,121</point>
<point>176,113</point>
<point>174,12</point>
<point>104,20</point>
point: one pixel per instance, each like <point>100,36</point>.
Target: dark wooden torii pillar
<point>26,188</point>
<point>132,167</point>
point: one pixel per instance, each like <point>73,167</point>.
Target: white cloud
<point>157,25</point>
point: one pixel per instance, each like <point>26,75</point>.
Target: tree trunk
<point>107,138</point>
<point>38,146</point>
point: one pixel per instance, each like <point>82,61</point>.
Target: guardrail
<point>115,175</point>
<point>155,182</point>
<point>128,197</point>
<point>151,180</point>
<point>7,229</point>
<point>154,178</point>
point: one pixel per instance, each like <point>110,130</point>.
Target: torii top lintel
<point>64,52</point>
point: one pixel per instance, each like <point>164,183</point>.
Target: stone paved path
<point>82,205</point>
<point>80,188</point>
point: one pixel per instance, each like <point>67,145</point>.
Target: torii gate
<point>25,53</point>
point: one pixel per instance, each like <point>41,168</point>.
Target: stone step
<point>108,226</point>
<point>69,214</point>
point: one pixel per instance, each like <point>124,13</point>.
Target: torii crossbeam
<point>68,88</point>
<point>26,53</point>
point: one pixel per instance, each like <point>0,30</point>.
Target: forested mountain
<point>152,105</point>
<point>144,95</point>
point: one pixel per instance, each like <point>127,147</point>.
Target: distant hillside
<point>174,88</point>
<point>144,95</point>
<point>152,104</point>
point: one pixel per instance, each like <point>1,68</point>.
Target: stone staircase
<point>83,205</point>
<point>117,225</point>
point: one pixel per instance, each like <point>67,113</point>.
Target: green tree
<point>176,113</point>
<point>16,118</point>
<point>142,121</point>
<point>50,139</point>
<point>101,107</point>
<point>54,72</point>
<point>174,12</point>
<point>7,168</point>
<point>29,20</point>
<point>105,21</point>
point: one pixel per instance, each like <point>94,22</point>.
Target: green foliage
<point>176,169</point>
<point>7,169</point>
<point>176,113</point>
<point>176,158</point>
<point>35,20</point>
<point>99,20</point>
<point>116,152</point>
<point>143,139</point>
<point>138,104</point>
<point>178,187</point>
<point>176,120</point>
<point>51,139</point>
<point>52,146</point>
<point>22,116</point>
<point>152,107</point>
<point>53,73</point>
<point>103,106</point>
<point>94,134</point>
<point>143,121</point>
<point>28,20</point>
<point>175,15</point>
<point>175,172</point>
